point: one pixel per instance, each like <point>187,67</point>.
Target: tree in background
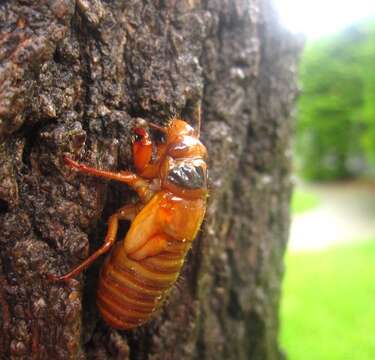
<point>336,120</point>
<point>367,57</point>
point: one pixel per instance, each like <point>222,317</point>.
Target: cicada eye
<point>142,148</point>
<point>160,138</point>
<point>136,138</point>
<point>140,136</point>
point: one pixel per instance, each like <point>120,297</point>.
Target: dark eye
<point>160,138</point>
<point>137,137</point>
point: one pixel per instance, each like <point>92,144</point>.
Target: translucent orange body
<point>172,187</point>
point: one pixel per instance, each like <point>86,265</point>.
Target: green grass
<point>303,201</point>
<point>328,304</point>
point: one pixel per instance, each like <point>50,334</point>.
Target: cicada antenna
<point>158,127</point>
<point>197,116</point>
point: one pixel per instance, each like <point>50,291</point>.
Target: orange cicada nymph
<point>171,182</point>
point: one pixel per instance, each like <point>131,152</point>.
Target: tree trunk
<point>73,77</point>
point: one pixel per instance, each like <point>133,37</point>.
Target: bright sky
<point>320,17</point>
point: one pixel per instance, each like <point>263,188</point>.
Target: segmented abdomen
<point>130,291</point>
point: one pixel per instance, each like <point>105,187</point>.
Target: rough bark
<point>73,76</point>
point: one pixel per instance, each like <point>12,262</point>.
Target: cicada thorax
<point>184,169</point>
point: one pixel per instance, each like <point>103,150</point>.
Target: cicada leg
<point>127,212</point>
<point>141,186</point>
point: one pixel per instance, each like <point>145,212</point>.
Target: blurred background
<point>328,303</point>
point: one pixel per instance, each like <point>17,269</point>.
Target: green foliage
<point>336,121</point>
<point>327,309</point>
<point>368,75</point>
<point>303,201</point>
